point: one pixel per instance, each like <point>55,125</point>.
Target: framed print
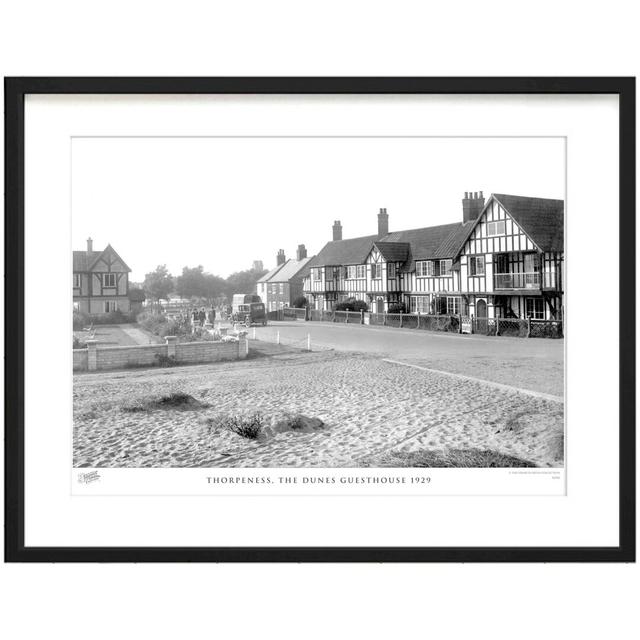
<point>320,319</point>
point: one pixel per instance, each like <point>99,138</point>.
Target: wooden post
<point>459,323</point>
<point>346,317</point>
<point>497,326</point>
<point>528,327</point>
<point>473,323</point>
<point>401,319</point>
<point>277,337</point>
<point>384,319</point>
<point>418,319</point>
<point>361,316</point>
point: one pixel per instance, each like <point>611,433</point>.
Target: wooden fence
<point>515,327</point>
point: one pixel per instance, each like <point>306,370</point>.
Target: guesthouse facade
<point>503,260</point>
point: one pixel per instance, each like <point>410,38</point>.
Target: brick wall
<point>79,359</point>
<point>191,352</point>
<point>123,357</point>
<point>94,358</point>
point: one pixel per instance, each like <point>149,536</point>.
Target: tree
<point>191,284</point>
<point>243,282</point>
<point>214,287</point>
<point>197,283</point>
<point>158,284</point>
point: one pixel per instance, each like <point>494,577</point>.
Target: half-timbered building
<point>504,259</point>
<point>100,281</point>
<point>511,262</point>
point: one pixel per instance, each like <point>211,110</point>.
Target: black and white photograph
<point>318,302</point>
<point>320,326</point>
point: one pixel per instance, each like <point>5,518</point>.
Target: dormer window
<point>108,280</point>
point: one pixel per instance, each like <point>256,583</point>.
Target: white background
<point>329,38</point>
<point>287,191</point>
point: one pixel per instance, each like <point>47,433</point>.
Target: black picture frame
<point>15,91</point>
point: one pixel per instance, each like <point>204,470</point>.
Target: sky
<point>224,202</point>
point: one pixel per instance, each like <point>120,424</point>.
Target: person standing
<point>213,315</point>
<point>202,316</point>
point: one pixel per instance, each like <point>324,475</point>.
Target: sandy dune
<point>368,406</point>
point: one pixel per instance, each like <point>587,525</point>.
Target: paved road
<point>534,363</point>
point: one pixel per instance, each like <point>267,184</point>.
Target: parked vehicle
<point>252,313</point>
<point>243,299</point>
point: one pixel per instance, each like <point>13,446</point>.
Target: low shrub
<point>397,307</point>
<point>160,325</point>
<point>165,361</point>
<point>80,320</point>
<point>300,302</point>
<point>114,317</point>
<point>249,427</point>
<point>175,400</point>
<point>352,305</point>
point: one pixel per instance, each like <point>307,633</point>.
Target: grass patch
<point>473,458</point>
<point>170,401</point>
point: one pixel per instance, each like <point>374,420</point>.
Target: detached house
<point>281,286</point>
<point>504,259</point>
<point>100,281</point>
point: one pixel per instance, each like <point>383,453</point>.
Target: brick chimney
<point>280,258</point>
<point>383,222</point>
<point>301,253</point>
<point>89,245</point>
<point>472,205</point>
<point>337,230</point>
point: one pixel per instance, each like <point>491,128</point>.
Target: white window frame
<point>424,269</point>
<point>445,270</point>
<point>281,288</point>
<point>535,314</point>
<point>361,271</point>
<point>473,271</point>
<point>109,277</point>
<point>352,272</point>
<point>454,304</point>
<point>492,228</point>
<point>110,303</point>
<point>391,270</point>
<point>419,304</point>
<point>377,268</point>
<point>77,280</point>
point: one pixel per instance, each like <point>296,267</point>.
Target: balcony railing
<point>526,280</point>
